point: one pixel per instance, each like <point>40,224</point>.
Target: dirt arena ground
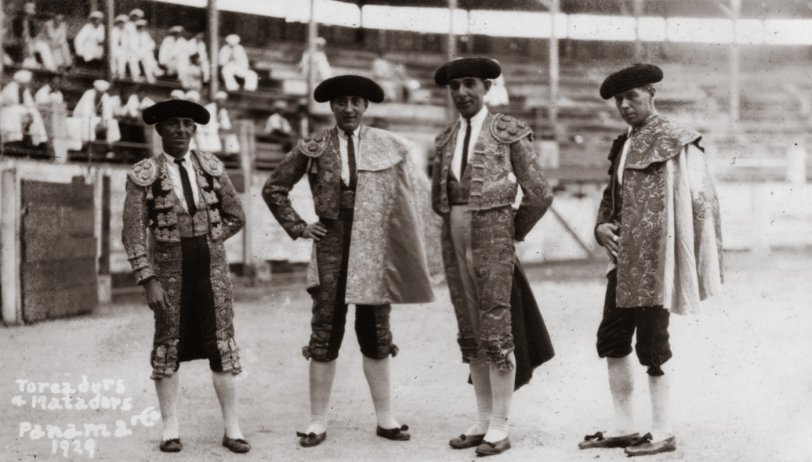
<point>742,379</point>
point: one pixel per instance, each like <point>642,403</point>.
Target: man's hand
<point>314,231</point>
<point>157,298</point>
<point>607,234</point>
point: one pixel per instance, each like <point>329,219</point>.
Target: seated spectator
<point>498,94</point>
<point>177,94</point>
<point>145,50</point>
<point>228,139</point>
<point>123,49</point>
<point>197,46</point>
<point>129,105</point>
<point>192,78</point>
<point>89,41</point>
<point>19,117</point>
<point>277,127</point>
<point>234,64</point>
<point>129,113</point>
<point>55,34</point>
<point>24,27</point>
<point>408,86</point>
<point>321,67</point>
<point>50,93</point>
<point>96,111</point>
<point>173,55</point>
<point>383,72</point>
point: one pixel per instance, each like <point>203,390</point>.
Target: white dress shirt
<point>342,147</point>
<point>174,174</point>
<point>621,165</point>
<point>476,126</point>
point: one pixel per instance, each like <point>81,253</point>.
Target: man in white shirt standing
<point>480,162</point>
<point>659,222</point>
<point>363,187</point>
<point>182,202</point>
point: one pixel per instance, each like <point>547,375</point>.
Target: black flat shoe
<point>308,440</point>
<point>644,446</point>
<point>173,445</point>
<point>238,445</point>
<point>598,440</point>
<point>466,441</point>
<point>394,434</point>
<point>492,449</point>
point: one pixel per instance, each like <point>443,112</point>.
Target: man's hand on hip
<point>157,297</point>
<point>314,231</point>
<point>607,234</point>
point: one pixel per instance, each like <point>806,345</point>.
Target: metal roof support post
<point>213,25</point>
<point>735,11</point>
<point>554,8</point>
<point>312,33</point>
<point>108,44</point>
<point>3,22</point>
<point>451,50</point>
<point>638,45</point>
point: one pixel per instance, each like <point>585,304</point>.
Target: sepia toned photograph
<point>414,230</point>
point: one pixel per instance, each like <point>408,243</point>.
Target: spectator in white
<point>277,124</point>
<point>321,67</point>
<point>194,97</point>
<point>50,94</point>
<point>89,41</point>
<point>192,78</point>
<point>408,86</point>
<point>25,29</point>
<point>173,56</point>
<point>145,50</point>
<point>234,64</point>
<point>197,46</point>
<point>135,15</point>
<point>177,94</point>
<point>383,72</point>
<point>498,94</point>
<point>278,128</point>
<point>55,33</point>
<point>96,112</point>
<point>121,49</point>
<point>19,115</point>
<point>208,136</point>
<point>133,105</point>
<point>228,139</point>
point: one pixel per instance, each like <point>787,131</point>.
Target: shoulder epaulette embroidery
<point>507,129</point>
<point>144,172</point>
<point>313,145</point>
<point>445,135</point>
<point>211,164</point>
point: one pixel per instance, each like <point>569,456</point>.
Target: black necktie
<point>351,159</point>
<point>187,187</point>
<point>465,147</point>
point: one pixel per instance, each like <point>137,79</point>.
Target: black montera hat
<point>631,77</point>
<point>483,68</point>
<point>348,85</point>
<point>175,108</point>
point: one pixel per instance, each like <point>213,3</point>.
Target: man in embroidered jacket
<point>368,247</point>
<point>183,203</point>
<point>480,161</point>
<point>659,222</point>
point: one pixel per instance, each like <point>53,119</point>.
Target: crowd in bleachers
<point>38,41</point>
<point>266,86</point>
